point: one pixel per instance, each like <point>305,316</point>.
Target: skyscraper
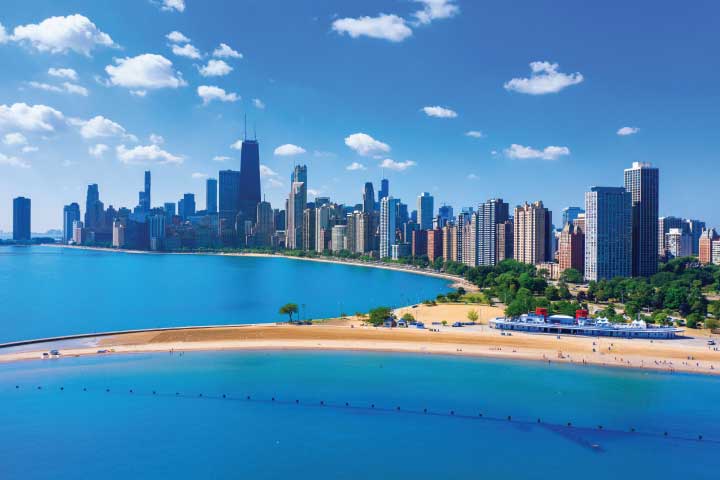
<point>445,214</point>
<point>297,202</point>
<point>608,233</point>
<point>250,194</point>
<point>384,189</point>
<point>71,213</point>
<point>664,226</point>
<point>569,214</point>
<point>211,197</point>
<point>21,219</point>
<point>188,206</point>
<point>695,227</point>
<point>571,248</point>
<point>531,233</point>
<point>490,214</point>
<point>308,229</point>
<point>368,198</point>
<point>94,208</point>
<point>707,239</point>
<point>505,241</point>
<point>229,197</point>
<point>265,226</point>
<point>144,196</point>
<point>425,209</point>
<point>642,181</point>
<point>388,207</point>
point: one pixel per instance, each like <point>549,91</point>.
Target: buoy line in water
<point>568,430</point>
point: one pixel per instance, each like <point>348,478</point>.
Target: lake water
<point>46,291</point>
<point>176,433</point>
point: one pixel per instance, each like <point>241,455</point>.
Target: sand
<point>477,341</point>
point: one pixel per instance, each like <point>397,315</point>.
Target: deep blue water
<point>69,433</point>
<point>47,291</point>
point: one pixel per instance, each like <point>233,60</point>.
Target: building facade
<point>530,233</point>
<point>21,219</point>
<point>608,233</point>
<point>642,181</point>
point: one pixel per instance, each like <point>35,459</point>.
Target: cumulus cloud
<point>475,134</point>
<point>98,150</point>
<point>275,183</point>
<point>187,50</point>
<point>435,10</point>
<point>63,34</point>
<point>199,176</point>
<point>391,164</point>
<point>173,5</point>
<point>3,34</point>
<point>225,51</point>
<point>384,27</point>
<point>13,161</point>
<point>472,176</point>
<point>221,158</point>
<point>548,153</point>
<point>439,112</point>
<point>30,118</point>
<point>625,131</point>
<point>258,104</point>
<point>147,71</point>
<point>29,149</point>
<point>101,127</point>
<point>68,73</point>
<point>208,93</point>
<point>237,145</point>
<point>14,139</point>
<point>156,139</point>
<point>146,154</point>
<point>267,172</point>
<point>177,37</point>
<point>354,166</point>
<point>544,78</point>
<point>215,68</point>
<point>288,150</point>
<point>365,145</point>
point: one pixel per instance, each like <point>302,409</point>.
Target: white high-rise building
<point>388,207</point>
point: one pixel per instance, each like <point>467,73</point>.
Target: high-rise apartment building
<point>695,228</point>
<point>388,208</point>
<point>531,233</point>
<point>448,235</point>
<point>664,226</point>
<point>706,244</point>
<point>337,238</point>
<point>156,225</point>
<point>608,233</point>
<point>643,182</point>
<point>297,202</point>
<point>21,219</point>
<point>188,206</point>
<point>679,243</point>
<point>425,211</point>
<point>265,226</point>
<point>211,195</point>
<point>489,215</point>
<point>504,243</point>
<point>434,244</point>
<point>569,214</point>
<point>308,229</point>
<point>229,197</point>
<point>94,208</point>
<point>71,214</point>
<point>571,248</point>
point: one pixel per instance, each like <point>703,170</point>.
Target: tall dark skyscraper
<point>229,195</point>
<point>211,186</point>
<point>384,189</point>
<point>642,181</point>
<point>368,198</point>
<point>250,194</point>
<point>71,213</point>
<point>489,215</point>
<point>21,219</point>
<point>94,208</point>
<point>144,196</point>
<point>188,206</point>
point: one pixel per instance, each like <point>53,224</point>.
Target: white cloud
<point>147,71</point>
<point>314,192</point>
<point>200,176</point>
<point>156,139</point>
<point>138,93</point>
<point>63,34</point>
<point>237,145</point>
<point>288,150</point>
<point>549,153</point>
<point>225,51</point>
<point>100,127</point>
<point>355,166</point>
<point>30,118</point>
<point>177,37</point>
<point>186,50</point>
<point>29,149</point>
<point>221,158</point>
<point>3,35</point>
<point>267,172</point>
<point>544,79</point>
<point>385,27</point>
<point>322,154</point>
<point>170,5</point>
<point>397,166</point>
<point>67,163</point>
<point>14,139</point>
<point>65,87</point>
<point>365,145</point>
<point>258,104</point>
<point>13,161</point>
<point>625,131</point>
<point>472,176</point>
<point>475,134</point>
<point>98,150</point>
<point>209,93</point>
<point>439,112</point>
<point>275,183</point>
<point>215,68</point>
<point>146,154</point>
<point>76,89</point>
<point>68,73</point>
<point>436,10</point>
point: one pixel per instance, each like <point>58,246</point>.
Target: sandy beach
<point>680,355</point>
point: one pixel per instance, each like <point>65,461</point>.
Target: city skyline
<point>593,116</point>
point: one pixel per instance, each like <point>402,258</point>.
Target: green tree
<point>571,275</point>
<point>408,317</point>
<point>692,320</point>
<point>473,316</point>
<point>289,309</point>
<point>711,323</point>
<point>380,314</point>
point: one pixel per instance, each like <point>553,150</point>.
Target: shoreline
<point>456,280</point>
<point>476,342</point>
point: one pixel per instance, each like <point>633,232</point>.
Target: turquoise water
<point>47,291</point>
<point>71,433</point>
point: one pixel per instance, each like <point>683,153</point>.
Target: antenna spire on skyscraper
<point>245,126</point>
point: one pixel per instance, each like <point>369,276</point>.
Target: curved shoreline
<point>456,280</point>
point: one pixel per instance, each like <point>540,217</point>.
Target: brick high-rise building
<point>571,248</point>
<point>434,244</point>
<point>504,245</point>
<point>531,235</point>
<point>706,243</point>
<point>419,243</point>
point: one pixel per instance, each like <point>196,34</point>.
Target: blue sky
<point>343,86</point>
